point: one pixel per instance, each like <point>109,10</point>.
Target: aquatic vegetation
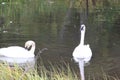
<point>51,72</point>
<point>22,14</point>
<point>47,16</point>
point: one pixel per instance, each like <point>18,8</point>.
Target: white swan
<point>82,53</point>
<point>17,54</point>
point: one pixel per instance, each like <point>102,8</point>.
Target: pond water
<point>60,35</point>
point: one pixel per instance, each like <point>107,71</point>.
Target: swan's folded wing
<point>15,51</point>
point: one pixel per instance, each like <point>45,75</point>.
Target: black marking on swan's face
<point>28,48</point>
<point>82,27</point>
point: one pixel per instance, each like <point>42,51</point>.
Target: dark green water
<point>59,33</point>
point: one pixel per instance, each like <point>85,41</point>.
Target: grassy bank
<point>52,72</point>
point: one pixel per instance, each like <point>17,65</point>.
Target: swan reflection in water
<point>23,57</point>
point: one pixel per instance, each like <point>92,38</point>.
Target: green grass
<point>51,72</point>
<point>16,73</point>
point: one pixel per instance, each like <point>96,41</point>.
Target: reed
<point>21,12</point>
<point>51,72</point>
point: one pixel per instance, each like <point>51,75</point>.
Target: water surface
<point>60,35</point>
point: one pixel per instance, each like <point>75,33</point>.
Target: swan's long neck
<point>82,37</point>
<point>32,50</point>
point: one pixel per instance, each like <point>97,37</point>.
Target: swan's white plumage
<point>17,54</point>
<point>82,53</point>
<point>15,51</point>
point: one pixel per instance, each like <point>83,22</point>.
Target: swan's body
<point>82,53</point>
<point>17,54</point>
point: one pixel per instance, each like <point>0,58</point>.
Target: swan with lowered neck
<point>82,53</point>
<point>17,54</point>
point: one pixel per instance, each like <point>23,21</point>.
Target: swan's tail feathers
<point>81,67</point>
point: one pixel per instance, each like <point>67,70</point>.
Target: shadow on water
<point>60,35</point>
